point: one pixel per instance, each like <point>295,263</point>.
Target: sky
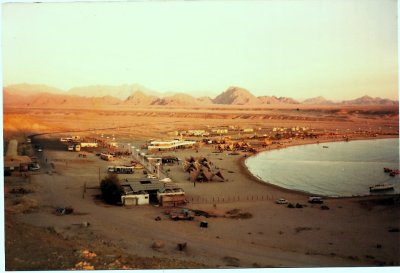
<point>339,49</point>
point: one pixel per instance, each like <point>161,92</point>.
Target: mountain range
<point>29,95</point>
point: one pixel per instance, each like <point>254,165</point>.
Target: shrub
<point>111,189</point>
<point>324,207</point>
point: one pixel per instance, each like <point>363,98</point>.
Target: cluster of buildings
<point>169,145</point>
<point>18,163</point>
<point>75,143</point>
<point>211,131</point>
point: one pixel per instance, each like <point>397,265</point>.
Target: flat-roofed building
<point>170,145</point>
<point>17,163</point>
<point>142,191</point>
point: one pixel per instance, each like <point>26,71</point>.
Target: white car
<point>282,201</point>
<point>34,167</point>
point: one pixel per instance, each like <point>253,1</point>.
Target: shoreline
<point>245,170</point>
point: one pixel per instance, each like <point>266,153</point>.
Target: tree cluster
<point>111,189</point>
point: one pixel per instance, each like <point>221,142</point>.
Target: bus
<point>121,169</point>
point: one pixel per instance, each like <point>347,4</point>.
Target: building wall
<point>135,199</point>
<point>171,199</point>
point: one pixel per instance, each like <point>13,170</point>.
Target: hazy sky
<point>337,49</point>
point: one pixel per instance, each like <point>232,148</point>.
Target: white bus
<point>121,169</point>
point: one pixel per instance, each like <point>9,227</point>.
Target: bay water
<point>330,169</point>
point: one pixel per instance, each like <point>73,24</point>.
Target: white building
<point>248,130</point>
<point>135,199</point>
<point>89,144</point>
<point>197,132</point>
<point>138,192</point>
<point>219,131</point>
<point>170,145</point>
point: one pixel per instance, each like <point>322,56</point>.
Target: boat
<point>394,172</point>
<point>391,172</point>
<point>381,187</point>
<point>387,170</point>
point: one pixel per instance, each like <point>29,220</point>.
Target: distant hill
<point>268,100</point>
<point>276,100</point>
<point>121,92</point>
<point>56,100</point>
<point>205,100</point>
<point>139,98</point>
<point>318,101</point>
<point>25,89</point>
<point>236,96</point>
<point>287,100</point>
<point>35,95</point>
<point>367,100</point>
<point>177,100</point>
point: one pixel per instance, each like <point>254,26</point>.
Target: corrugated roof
<point>146,185</point>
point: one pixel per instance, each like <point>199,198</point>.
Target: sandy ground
<point>353,232</point>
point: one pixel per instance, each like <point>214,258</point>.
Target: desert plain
<point>247,230</point>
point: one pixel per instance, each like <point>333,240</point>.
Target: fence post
<point>84,190</point>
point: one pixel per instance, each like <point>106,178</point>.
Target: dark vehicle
<point>315,200</point>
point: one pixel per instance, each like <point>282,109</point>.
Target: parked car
<point>315,200</point>
<point>281,201</point>
<point>34,166</point>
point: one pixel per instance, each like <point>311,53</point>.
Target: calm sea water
<point>342,169</point>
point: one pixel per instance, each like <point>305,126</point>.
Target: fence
<point>229,199</point>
